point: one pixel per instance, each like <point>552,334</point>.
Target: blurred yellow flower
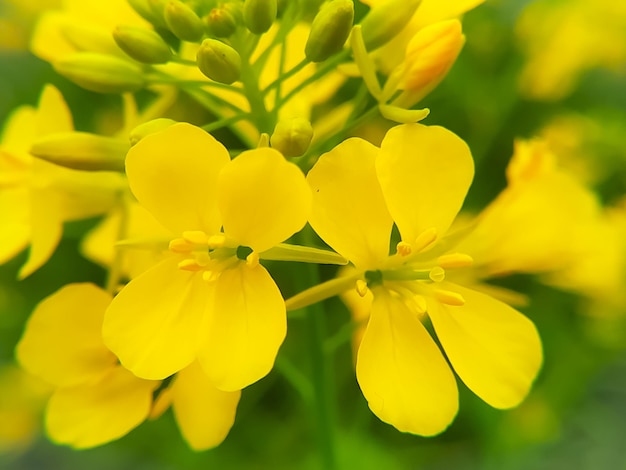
<point>210,299</point>
<point>418,180</point>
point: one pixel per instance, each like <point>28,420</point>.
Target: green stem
<point>284,76</point>
<point>225,122</point>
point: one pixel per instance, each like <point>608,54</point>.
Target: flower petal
<point>204,413</point>
<point>246,326</point>
<point>53,114</point>
<point>15,228</point>
<point>424,172</point>
<point>152,324</point>
<point>173,174</point>
<point>493,348</point>
<point>263,199</point>
<point>95,413</point>
<point>349,211</point>
<point>402,373</point>
<point>62,343</point>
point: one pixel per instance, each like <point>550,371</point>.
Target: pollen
<point>449,298</point>
<point>361,287</point>
<point>425,239</point>
<point>196,237</point>
<point>190,265</point>
<point>180,245</point>
<point>455,260</point>
<point>403,249</point>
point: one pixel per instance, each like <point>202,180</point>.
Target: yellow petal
<point>95,413</point>
<point>402,373</point>
<point>431,11</point>
<point>173,174</point>
<point>493,348</point>
<point>204,413</point>
<point>349,211</point>
<point>152,324</point>
<point>246,326</point>
<point>53,114</point>
<point>263,199</point>
<point>15,228</point>
<point>62,343</point>
<point>424,172</point>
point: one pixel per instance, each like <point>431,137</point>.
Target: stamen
<point>449,298</point>
<point>216,241</point>
<point>361,287</point>
<point>252,260</point>
<point>425,239</point>
<point>197,237</point>
<point>437,274</point>
<point>403,248</point>
<point>190,265</point>
<point>180,245</point>
<point>455,260</point>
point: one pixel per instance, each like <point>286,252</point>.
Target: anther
<point>403,248</point>
<point>180,245</point>
<point>252,260</point>
<point>455,260</point>
<point>449,298</point>
<point>197,237</point>
<point>361,287</point>
<point>216,241</point>
<point>437,274</point>
<point>211,276</point>
<point>425,239</point>
<point>189,265</point>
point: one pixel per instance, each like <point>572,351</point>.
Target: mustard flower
<point>210,299</point>
<point>418,180</point>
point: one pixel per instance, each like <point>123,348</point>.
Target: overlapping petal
<point>401,371</point>
<point>349,211</point>
<point>493,348</point>
<point>204,413</point>
<point>62,343</point>
<point>173,174</point>
<point>263,199</point>
<point>15,227</point>
<point>98,412</point>
<point>424,173</point>
<point>245,328</point>
<point>152,324</point>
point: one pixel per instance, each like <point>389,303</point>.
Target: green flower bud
<point>82,151</point>
<point>150,127</point>
<point>292,137</point>
<point>142,44</point>
<point>219,61</point>
<point>221,22</point>
<point>147,12</point>
<point>183,21</point>
<point>329,30</point>
<point>100,73</point>
<point>259,15</point>
<point>384,22</point>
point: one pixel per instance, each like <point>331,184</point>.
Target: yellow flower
<point>211,299</point>
<point>418,179</point>
<point>36,197</point>
<point>95,399</point>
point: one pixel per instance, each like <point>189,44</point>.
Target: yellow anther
<point>437,274</point>
<point>455,260</point>
<point>197,237</point>
<point>211,276</point>
<point>189,265</point>
<point>361,287</point>
<point>425,239</point>
<point>403,248</point>
<point>180,245</point>
<point>449,298</point>
<point>252,260</point>
<point>216,241</point>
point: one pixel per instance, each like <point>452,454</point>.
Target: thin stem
<point>225,122</point>
<point>284,76</point>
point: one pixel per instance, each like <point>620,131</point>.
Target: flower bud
<point>259,15</point>
<point>219,61</point>
<point>183,21</point>
<point>100,73</point>
<point>292,137</point>
<point>150,127</point>
<point>82,151</point>
<point>221,22</point>
<point>142,44</point>
<point>429,56</point>
<point>329,30</point>
<point>148,13</point>
<point>384,22</point>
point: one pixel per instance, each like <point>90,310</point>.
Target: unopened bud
<point>259,15</point>
<point>329,30</point>
<point>100,73</point>
<point>82,151</point>
<point>86,38</point>
<point>292,137</point>
<point>148,13</point>
<point>219,61</point>
<point>150,127</point>
<point>183,21</point>
<point>142,44</point>
<point>222,22</point>
<point>429,56</point>
<point>384,22</point>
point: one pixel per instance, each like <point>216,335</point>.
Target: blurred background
<point>553,69</point>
